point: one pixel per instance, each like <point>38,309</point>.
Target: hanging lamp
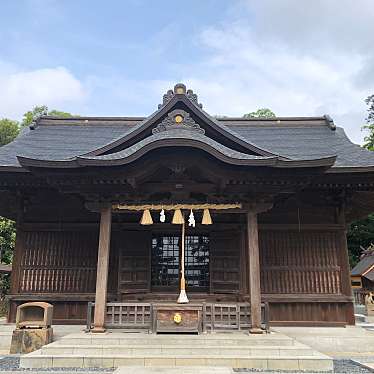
<point>207,219</point>
<point>177,218</point>
<point>146,218</point>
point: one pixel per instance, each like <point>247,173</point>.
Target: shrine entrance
<point>166,262</point>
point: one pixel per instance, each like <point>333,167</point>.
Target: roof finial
<point>180,89</point>
<point>330,122</point>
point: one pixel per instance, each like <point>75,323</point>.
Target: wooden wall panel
<point>304,262</point>
<point>58,262</point>
<point>310,314</point>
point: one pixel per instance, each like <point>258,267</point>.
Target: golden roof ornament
<point>180,89</point>
<point>178,119</point>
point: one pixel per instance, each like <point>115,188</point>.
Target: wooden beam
<point>102,269</point>
<point>254,272</point>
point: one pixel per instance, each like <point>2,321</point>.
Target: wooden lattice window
<point>166,261</point>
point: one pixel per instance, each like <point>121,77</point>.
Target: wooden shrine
<point>79,189</point>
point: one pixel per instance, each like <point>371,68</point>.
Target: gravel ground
<point>11,363</point>
<point>340,366</point>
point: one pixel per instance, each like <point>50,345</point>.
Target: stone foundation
<point>29,340</point>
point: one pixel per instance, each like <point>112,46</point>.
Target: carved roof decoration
<point>178,120</point>
<point>179,89</point>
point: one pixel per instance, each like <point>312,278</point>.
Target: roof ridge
<point>93,118</point>
<point>286,118</point>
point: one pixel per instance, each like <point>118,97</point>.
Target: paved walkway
<point>337,342</point>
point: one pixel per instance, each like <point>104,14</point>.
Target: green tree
<point>33,114</point>
<point>7,240</point>
<point>41,110</point>
<point>361,233</point>
<point>9,129</point>
<point>369,139</point>
<point>260,113</point>
<point>7,243</point>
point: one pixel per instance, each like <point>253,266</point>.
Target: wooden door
<point>134,262</point>
<point>225,250</point>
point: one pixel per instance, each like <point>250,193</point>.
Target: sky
<point>118,57</point>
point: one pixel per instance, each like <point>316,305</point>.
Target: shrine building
<point>240,219</point>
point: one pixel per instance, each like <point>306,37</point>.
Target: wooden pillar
<point>102,269</point>
<point>254,272</point>
<point>345,269</point>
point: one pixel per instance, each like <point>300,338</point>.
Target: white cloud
<point>21,90</point>
<point>297,58</point>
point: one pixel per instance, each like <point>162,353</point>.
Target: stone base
<point>370,309</point>
<point>29,340</point>
<point>256,331</point>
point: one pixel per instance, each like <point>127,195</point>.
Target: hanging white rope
<point>175,206</point>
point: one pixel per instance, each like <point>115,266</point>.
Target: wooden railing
<point>215,317</point>
<point>359,295</point>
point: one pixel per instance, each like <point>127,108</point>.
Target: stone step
<point>212,340</point>
<point>317,363</point>
<point>192,350</point>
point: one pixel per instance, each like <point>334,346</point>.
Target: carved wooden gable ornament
<point>178,120</point>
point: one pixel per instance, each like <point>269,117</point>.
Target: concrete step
<point>317,363</point>
<point>172,370</point>
<point>235,350</point>
<point>360,309</point>
<point>192,350</point>
<point>360,318</point>
<point>178,340</point>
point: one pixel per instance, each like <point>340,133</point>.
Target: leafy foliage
<point>41,110</point>
<point>9,129</point>
<point>7,240</point>
<point>369,139</point>
<point>260,113</point>
<point>31,115</point>
<point>360,236</point>
<point>361,233</point>
<point>7,243</point>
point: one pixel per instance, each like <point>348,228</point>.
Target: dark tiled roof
<point>305,142</point>
<point>175,135</point>
<point>295,139</point>
<point>370,275</point>
<point>62,140</point>
<point>363,265</point>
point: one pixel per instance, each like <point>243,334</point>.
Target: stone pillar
<point>254,272</point>
<point>102,269</point>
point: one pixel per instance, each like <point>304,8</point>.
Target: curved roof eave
<point>153,118</point>
<point>196,141</point>
<point>27,162</point>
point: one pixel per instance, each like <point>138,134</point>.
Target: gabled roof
<point>370,275</point>
<point>276,142</point>
<point>176,138</point>
<point>364,265</point>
